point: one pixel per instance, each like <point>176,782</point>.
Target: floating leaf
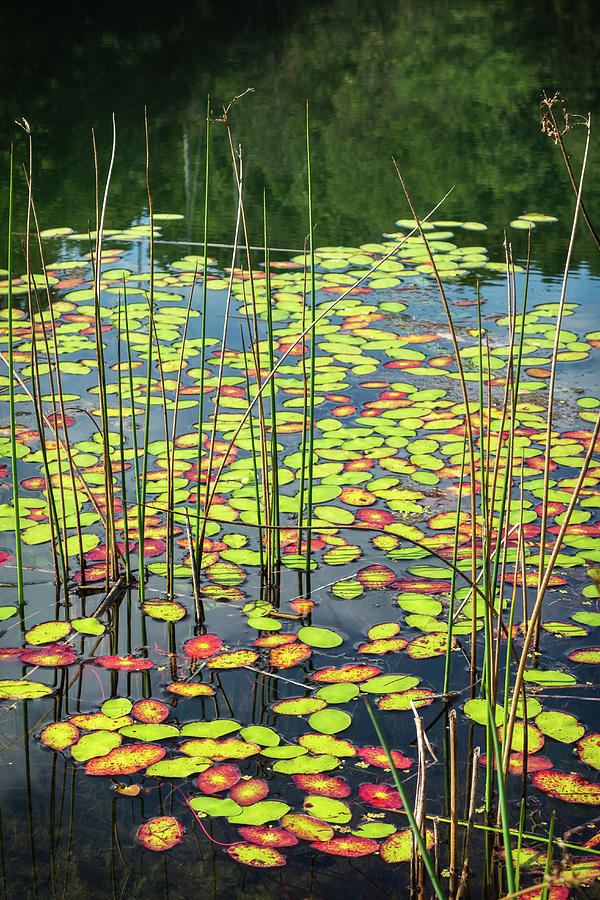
<point>215,729</point>
<point>524,735</point>
<point>376,577</point>
<point>23,690</point>
<point>124,663</point>
<point>380,795</point>
<point>259,734</point>
<point>97,743</point>
<point>160,833</point>
<point>322,785</point>
<point>117,707</point>
<point>327,744</point>
<point>179,767</point>
<point>235,659</point>
<point>218,778</point>
<point>376,756</point>
<point>426,646</point>
<point>397,847</point>
<point>559,726</point>
<point>164,610</point>
<point>586,655</point>
<point>403,700</point>
<point>289,655</point>
<point>47,632</point>
<point>383,645</point>
<point>588,750</point>
<point>264,836</point>
<point>203,646</point>
<point>59,735</point>
<point>146,732</point>
<point>384,631</point>
<point>252,855</point>
<point>150,711</point>
<point>328,809</point>
<point>307,828</point>
<point>385,684</point>
<point>308,765</point>
<point>249,791</point>
<point>50,655</point>
<point>88,625</point>
<point>347,845</point>
<point>323,638</point>
<point>298,706</point>
<point>567,786</point>
<point>125,760</point>
<point>338,693</point>
<point>350,673</point>
<point>549,677</point>
<point>330,721</point>
<point>100,721</point>
<point>190,689</point>
<point>230,748</point>
<point>260,813</point>
<point>215,806</point>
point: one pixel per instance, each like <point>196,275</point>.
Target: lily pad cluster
<point>388,455</point>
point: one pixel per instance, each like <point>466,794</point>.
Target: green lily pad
<point>338,693</point>
<point>330,721</point>
<point>260,813</point>
<point>328,809</point>
<point>180,767</point>
<point>560,726</point>
<point>323,638</point>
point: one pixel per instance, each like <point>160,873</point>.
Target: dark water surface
<point>451,91</point>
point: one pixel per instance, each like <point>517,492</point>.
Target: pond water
<point>452,92</point>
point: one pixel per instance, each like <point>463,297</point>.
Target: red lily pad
<point>383,645</point>
<point>350,673</point>
<point>151,711</point>
<point>274,640</point>
<point>376,577</point>
<point>567,786</point>
<point>426,646</point>
<point>588,750</point>
<point>322,785</point>
<point>516,762</point>
<point>50,655</point>
<point>403,699</point>
<point>234,659</point>
<point>190,689</point>
<point>423,585</point>
<point>124,663</point>
<point>264,836</point>
<point>347,845</point>
<point>253,855</point>
<point>59,735</point>
<point>203,646</point>
<point>249,791</point>
<point>218,778</point>
<point>160,833</point>
<point>125,760</point>
<point>398,846</point>
<point>289,655</point>
<point>586,655</point>
<point>375,756</point>
<point>382,796</point>
<point>307,828</point>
